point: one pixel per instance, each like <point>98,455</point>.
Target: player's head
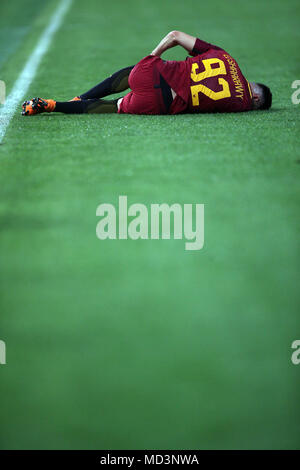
<point>261,96</point>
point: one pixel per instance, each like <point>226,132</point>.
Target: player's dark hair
<point>266,97</point>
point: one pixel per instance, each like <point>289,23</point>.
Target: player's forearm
<point>166,43</point>
<point>174,38</point>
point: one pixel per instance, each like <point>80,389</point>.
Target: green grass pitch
<point>141,344</point>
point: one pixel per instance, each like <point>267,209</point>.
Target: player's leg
<point>148,93</point>
<point>94,106</point>
<point>114,84</point>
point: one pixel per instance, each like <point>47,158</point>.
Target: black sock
<point>87,106</point>
<point>69,107</point>
<point>114,84</point>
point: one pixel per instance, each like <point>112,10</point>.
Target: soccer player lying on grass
<point>209,81</point>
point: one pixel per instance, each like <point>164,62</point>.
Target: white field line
<point>27,75</point>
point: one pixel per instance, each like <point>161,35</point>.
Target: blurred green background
<point>141,344</point>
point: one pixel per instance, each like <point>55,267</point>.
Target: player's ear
<point>255,100</point>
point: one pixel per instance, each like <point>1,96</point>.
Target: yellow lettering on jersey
<point>209,72</point>
<point>213,95</point>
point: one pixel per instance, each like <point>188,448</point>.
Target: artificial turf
<point>141,344</point>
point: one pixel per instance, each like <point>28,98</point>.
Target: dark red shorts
<point>146,96</point>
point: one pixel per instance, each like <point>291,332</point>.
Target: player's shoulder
<point>201,47</point>
<point>210,53</point>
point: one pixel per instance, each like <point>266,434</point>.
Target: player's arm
<point>175,38</point>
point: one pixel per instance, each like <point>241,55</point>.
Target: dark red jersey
<point>210,81</point>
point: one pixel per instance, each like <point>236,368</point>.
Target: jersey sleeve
<point>202,46</point>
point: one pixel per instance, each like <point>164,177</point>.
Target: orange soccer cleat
<point>76,98</point>
<point>37,106</point>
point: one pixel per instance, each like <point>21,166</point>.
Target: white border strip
<point>27,75</point>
